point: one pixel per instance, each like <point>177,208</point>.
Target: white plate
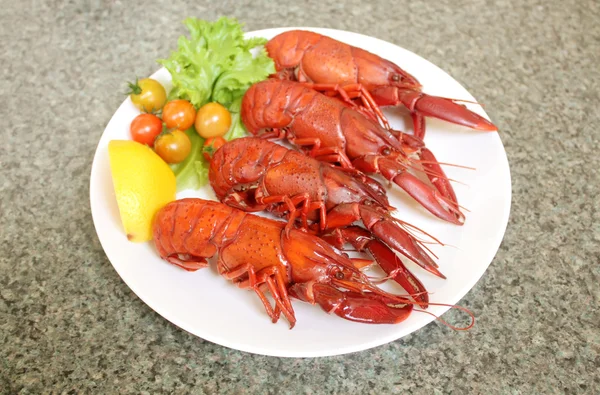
<point>208,306</point>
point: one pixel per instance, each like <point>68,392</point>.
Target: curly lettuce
<point>215,64</point>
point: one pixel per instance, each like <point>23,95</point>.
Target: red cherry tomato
<point>211,145</point>
<point>145,127</point>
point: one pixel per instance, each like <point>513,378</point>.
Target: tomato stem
<point>134,88</point>
<point>165,130</point>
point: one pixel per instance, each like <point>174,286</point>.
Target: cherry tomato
<point>145,127</point>
<point>173,147</point>
<point>211,145</point>
<point>179,114</point>
<point>212,120</point>
<point>148,95</point>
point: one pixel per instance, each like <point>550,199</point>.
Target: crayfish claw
<point>359,307</point>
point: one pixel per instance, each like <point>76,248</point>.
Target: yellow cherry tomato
<point>148,95</point>
<point>212,120</point>
<point>173,147</point>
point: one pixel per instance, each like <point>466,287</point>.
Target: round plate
<point>205,304</point>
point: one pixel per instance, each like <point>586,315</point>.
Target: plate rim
<point>362,346</point>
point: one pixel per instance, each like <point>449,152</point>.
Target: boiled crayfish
<point>331,131</point>
<point>259,254</point>
<point>333,65</point>
<point>253,174</point>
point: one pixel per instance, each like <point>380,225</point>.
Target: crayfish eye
<point>395,77</point>
<point>339,275</point>
<point>386,151</point>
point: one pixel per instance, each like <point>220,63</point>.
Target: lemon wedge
<point>143,184</point>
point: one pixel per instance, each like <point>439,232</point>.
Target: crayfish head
<point>343,187</point>
<point>344,273</point>
<point>311,259</point>
<point>400,78</point>
<point>375,71</point>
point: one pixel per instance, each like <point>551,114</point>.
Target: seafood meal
<point>323,99</point>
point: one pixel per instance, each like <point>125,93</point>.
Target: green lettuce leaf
<point>237,128</point>
<point>189,174</point>
<point>215,62</point>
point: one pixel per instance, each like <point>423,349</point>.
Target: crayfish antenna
<point>446,323</point>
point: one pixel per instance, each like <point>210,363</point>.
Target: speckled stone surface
<point>68,323</point>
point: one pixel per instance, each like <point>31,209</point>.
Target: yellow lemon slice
<point>143,183</point>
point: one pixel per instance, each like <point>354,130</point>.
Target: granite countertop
<point>69,324</point>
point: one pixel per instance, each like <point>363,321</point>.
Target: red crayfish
<point>329,130</point>
<point>353,72</point>
<point>253,174</point>
<point>259,254</point>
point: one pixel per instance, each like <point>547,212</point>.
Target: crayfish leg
<point>273,278</point>
<point>353,91</point>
